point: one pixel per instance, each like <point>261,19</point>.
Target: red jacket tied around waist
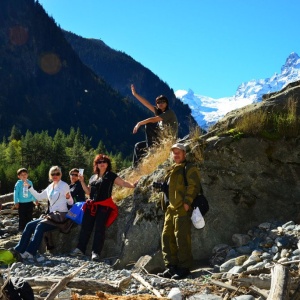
<point>92,206</point>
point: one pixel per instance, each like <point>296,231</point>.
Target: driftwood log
<point>84,284</point>
<point>261,293</point>
<point>262,282</point>
<point>62,283</point>
<point>280,285</point>
<point>9,212</point>
<point>146,284</point>
<point>224,285</point>
<point>7,198</point>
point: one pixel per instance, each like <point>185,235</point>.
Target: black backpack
<point>18,289</point>
<point>200,200</point>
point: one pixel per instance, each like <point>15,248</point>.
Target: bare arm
<point>121,182</point>
<point>146,121</point>
<point>86,188</point>
<point>143,100</point>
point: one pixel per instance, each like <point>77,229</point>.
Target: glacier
<point>207,111</point>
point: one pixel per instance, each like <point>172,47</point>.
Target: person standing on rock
<point>164,119</point>
<point>58,195</point>
<point>176,235</point>
<point>99,211</point>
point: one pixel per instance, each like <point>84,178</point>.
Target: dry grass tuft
<point>196,145</point>
<point>252,123</point>
<point>156,155</point>
<point>271,125</point>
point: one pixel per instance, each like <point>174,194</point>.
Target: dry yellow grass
<point>285,124</point>
<point>156,155</point>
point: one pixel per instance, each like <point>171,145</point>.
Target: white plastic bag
<point>197,218</point>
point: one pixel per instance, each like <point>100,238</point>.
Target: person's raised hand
<point>136,128</point>
<point>80,177</point>
<point>133,91</point>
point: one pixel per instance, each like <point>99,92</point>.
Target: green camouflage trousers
<point>176,238</point>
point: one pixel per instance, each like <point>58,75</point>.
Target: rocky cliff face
<point>247,181</point>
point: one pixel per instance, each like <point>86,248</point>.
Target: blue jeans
<point>37,229</point>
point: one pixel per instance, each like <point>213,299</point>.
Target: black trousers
<point>87,226</point>
<point>25,214</point>
<point>140,148</point>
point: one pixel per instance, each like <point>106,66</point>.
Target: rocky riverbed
<point>254,252</point>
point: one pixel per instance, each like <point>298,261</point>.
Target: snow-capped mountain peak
<point>207,110</point>
<point>292,62</point>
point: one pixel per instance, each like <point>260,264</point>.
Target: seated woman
<point>58,195</point>
<point>76,189</point>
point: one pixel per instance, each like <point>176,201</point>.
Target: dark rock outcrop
<point>247,181</point>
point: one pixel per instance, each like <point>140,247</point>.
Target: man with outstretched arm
<point>164,119</point>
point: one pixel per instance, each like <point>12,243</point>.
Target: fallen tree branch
<point>146,284</point>
<point>9,211</point>
<point>290,262</point>
<point>223,285</point>
<point>62,283</point>
<point>262,281</point>
<point>258,291</point>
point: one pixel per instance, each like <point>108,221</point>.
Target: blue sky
<point>209,46</point>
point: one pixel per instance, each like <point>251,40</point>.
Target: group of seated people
<point>99,210</point>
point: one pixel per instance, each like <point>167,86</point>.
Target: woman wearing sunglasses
<point>164,119</point>
<point>99,211</point>
<point>58,195</point>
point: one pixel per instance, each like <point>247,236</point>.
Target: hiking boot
<point>76,252</point>
<point>181,273</point>
<point>26,255</point>
<point>169,272</point>
<point>95,256</point>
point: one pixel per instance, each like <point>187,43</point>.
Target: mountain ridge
<point>121,70</point>
<point>207,111</point>
<point>46,86</point>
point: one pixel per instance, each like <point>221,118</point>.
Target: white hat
<point>178,146</point>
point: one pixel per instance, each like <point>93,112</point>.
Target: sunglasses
<point>55,174</point>
<point>101,162</point>
<point>73,174</point>
<point>161,101</point>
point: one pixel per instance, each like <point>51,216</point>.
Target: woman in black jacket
<point>100,210</point>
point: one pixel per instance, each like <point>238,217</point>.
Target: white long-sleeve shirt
<point>56,196</point>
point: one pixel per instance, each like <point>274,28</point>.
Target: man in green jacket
<point>176,235</point>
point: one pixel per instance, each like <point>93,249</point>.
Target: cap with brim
<point>178,146</point>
